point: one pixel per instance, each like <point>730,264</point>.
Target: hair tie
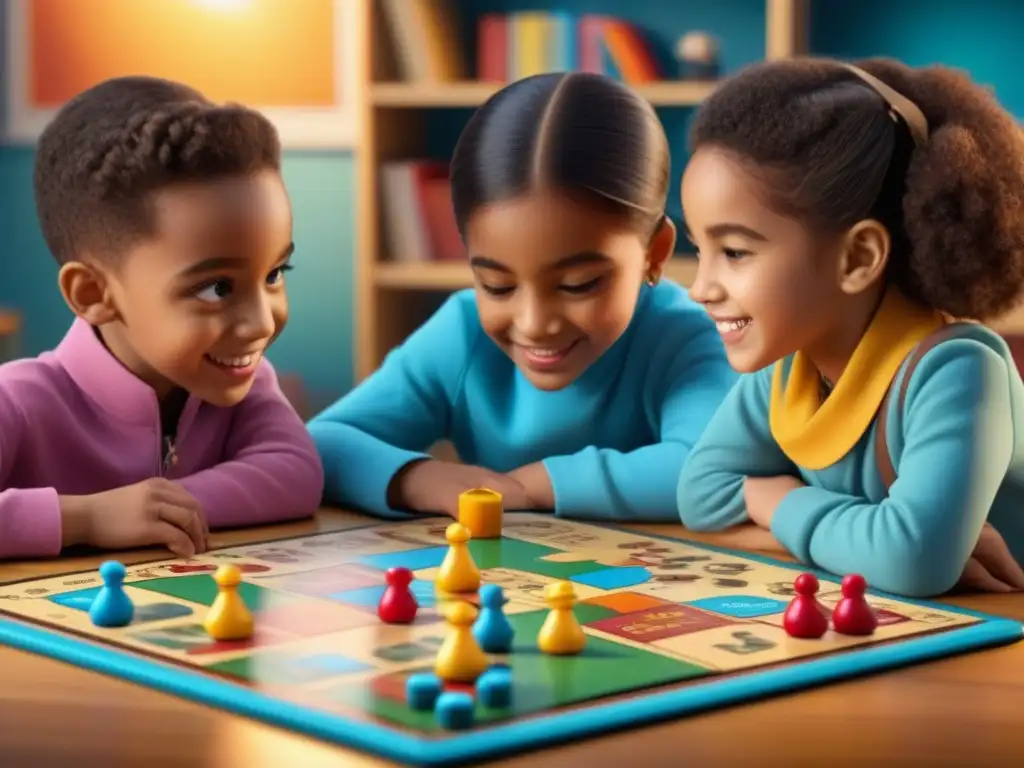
<point>899,105</point>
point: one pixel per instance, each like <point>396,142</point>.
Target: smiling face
<point>557,281</point>
<point>197,305</point>
<point>770,284</point>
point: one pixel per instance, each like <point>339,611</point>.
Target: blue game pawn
<point>492,630</point>
<point>454,710</point>
<point>494,688</point>
<point>422,690</point>
<point>112,607</point>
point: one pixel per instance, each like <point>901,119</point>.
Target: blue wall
<point>316,343</point>
<point>982,36</point>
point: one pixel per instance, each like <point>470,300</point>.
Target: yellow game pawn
<point>229,617</point>
<point>458,572</point>
<point>561,634</point>
<point>459,659</point>
<point>481,511</point>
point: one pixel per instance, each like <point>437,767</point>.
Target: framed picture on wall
<point>295,60</point>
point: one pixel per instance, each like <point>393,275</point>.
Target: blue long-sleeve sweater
<point>956,446</point>
<point>613,442</point>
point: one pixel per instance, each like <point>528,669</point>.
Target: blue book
<point>563,40</point>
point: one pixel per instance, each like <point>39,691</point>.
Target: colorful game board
<point>673,628</point>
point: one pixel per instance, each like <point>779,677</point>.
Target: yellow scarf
<point>816,435</point>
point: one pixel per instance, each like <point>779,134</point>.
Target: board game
<point>672,628</point>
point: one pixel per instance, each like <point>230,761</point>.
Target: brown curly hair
<point>112,147</point>
<point>830,151</point>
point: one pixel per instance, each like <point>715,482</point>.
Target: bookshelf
<point>415,96</point>
<point>392,298</point>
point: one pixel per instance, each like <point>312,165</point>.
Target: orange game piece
<point>480,510</point>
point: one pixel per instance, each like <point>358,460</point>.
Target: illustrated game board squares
<point>202,590</point>
<point>313,617</point>
<point>281,668</point>
<point>614,578</point>
<point>735,646</point>
<point>741,606</point>
<point>626,602</point>
<point>369,597</point>
<point>326,581</point>
<point>671,628</point>
<point>657,623</point>
<point>193,640</point>
<point>82,599</point>
<point>413,559</point>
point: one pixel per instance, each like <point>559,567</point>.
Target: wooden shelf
<point>391,300</point>
<point>445,276</point>
<point>473,94</point>
<point>453,276</point>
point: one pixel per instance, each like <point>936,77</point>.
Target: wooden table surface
<point>954,712</point>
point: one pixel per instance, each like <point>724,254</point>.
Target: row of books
<point>417,216</point>
<point>517,45</point>
<point>426,37</point>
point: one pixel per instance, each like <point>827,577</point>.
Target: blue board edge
<point>533,731</point>
<point>392,743</point>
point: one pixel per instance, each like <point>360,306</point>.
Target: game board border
<point>526,735</point>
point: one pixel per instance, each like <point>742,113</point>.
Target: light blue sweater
<point>613,442</point>
<point>957,450</point>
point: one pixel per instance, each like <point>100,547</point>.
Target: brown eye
<point>581,287</point>
<point>496,290</point>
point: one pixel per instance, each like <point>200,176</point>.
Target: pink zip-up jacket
<point>74,421</point>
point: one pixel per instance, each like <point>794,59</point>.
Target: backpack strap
<point>883,460</point>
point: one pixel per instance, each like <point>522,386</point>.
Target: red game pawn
<point>804,617</point>
<point>853,615</point>
<point>398,604</point>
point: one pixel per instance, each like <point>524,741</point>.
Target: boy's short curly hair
<point>830,152</point>
<point>112,147</point>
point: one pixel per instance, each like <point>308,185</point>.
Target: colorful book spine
<point>417,213</point>
<point>492,54</point>
<point>562,42</point>
<point>517,45</point>
<point>628,50</point>
<point>426,39</point>
<point>590,45</point>
<point>529,44</point>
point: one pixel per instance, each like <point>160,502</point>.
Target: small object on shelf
<point>697,55</point>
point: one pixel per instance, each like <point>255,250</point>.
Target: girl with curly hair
<point>855,225</point>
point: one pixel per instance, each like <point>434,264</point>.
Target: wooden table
<point>956,712</point>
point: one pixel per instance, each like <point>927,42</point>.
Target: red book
<point>492,48</point>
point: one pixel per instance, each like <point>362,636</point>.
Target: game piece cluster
<point>229,618</point>
<point>477,626</point>
<point>807,618</point>
<point>474,633</point>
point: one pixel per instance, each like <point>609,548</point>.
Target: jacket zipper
<point>170,455</point>
<point>168,450</point>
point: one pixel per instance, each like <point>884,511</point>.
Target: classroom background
<point>370,96</point>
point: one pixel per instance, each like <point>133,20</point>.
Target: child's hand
<point>992,567</point>
<point>155,511</point>
<point>434,486</point>
<point>762,496</point>
<point>536,485</point>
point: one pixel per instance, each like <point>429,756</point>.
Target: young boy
<point>157,417</point>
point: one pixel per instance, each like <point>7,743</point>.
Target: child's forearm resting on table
<point>915,541</point>
<point>271,471</point>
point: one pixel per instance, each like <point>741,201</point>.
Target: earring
<point>653,276</point>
